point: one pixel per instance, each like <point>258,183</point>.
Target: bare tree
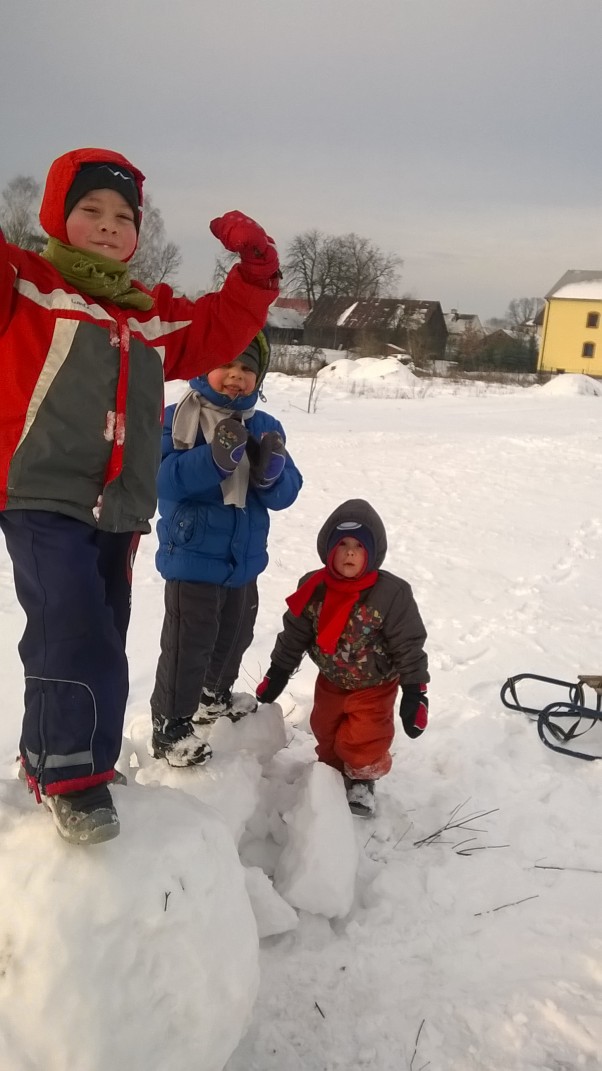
<point>522,311</point>
<point>156,260</point>
<point>18,212</point>
<point>347,265</point>
<point>221,268</point>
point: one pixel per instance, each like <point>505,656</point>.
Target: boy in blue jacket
<point>224,467</point>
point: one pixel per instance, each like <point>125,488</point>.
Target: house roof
<point>371,313</point>
<point>288,313</point>
<point>299,304</point>
<point>285,319</point>
<point>578,285</point>
<point>458,323</point>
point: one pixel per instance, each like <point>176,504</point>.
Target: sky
<point>460,135</point>
<point>243,920</point>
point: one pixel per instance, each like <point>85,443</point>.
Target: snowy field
<point>381,946</point>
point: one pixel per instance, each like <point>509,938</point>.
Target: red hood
<point>61,175</point>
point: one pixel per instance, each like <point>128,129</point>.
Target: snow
<point>367,373</point>
<point>478,949</point>
<point>565,386</point>
<point>344,315</point>
<point>587,290</point>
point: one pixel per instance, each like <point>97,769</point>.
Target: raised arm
<point>220,325</point>
<point>7,277</point>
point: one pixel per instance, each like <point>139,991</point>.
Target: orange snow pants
<point>354,730</point>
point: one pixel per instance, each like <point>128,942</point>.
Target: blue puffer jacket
<point>199,537</point>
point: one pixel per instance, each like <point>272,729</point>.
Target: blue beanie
<point>356,531</point>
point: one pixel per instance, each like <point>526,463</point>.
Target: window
<point>589,348</point>
<point>593,319</point>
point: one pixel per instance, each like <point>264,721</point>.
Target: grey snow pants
<point>206,631</point>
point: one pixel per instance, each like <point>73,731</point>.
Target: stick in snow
<point>512,903</point>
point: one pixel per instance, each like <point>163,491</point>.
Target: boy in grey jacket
<point>362,628</point>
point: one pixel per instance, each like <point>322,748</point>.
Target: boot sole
<point>360,812</point>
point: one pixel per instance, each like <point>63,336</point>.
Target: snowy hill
<point>383,944</point>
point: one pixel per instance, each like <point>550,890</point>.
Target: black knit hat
<point>104,177</point>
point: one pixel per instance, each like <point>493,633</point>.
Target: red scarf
<point>341,596</point>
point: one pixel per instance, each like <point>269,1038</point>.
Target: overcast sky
<point>463,135</point>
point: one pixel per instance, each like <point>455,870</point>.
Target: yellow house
<point>571,338</point>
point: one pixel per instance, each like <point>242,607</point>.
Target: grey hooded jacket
<point>384,636</point>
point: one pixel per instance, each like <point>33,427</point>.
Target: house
<point>462,323</point>
<point>571,339</point>
<point>417,327</point>
<point>286,317</point>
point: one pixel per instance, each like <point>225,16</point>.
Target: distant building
<point>571,339</point>
<point>459,323</point>
<point>417,327</point>
<point>286,317</point>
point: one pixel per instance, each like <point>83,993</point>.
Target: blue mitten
<point>266,458</point>
<point>228,445</point>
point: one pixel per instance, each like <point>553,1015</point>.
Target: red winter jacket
<point>81,380</point>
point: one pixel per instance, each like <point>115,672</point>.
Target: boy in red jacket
<point>84,351</point>
<point>361,626</point>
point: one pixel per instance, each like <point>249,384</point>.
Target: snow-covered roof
<point>578,286</point>
<point>371,313</point>
<point>285,318</point>
<point>458,323</point>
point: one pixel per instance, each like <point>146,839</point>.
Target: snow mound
<point>317,868</point>
<point>229,782</point>
<point>569,385</point>
<point>138,953</point>
<point>372,372</point>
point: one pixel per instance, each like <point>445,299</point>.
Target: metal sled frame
<point>574,707</point>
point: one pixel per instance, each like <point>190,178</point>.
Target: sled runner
<point>552,719</point>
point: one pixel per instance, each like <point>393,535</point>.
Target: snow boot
<point>174,740</point>
<point>360,797</point>
<point>214,705</point>
<point>85,817</point>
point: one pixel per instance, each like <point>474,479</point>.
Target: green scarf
<point>98,276</point>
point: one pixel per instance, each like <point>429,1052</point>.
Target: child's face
<point>103,222</point>
<point>234,379</point>
<point>349,557</point>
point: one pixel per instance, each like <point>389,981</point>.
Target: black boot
<point>214,705</point>
<point>174,740</point>
<point>360,797</point>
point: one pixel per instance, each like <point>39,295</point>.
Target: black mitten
<point>414,709</point>
<point>274,682</point>
<point>228,445</point>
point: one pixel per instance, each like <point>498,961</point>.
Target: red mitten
<point>240,234</point>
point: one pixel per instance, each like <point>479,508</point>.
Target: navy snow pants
<point>74,584</point>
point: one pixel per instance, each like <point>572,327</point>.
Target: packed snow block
<point>318,864</point>
<point>272,913</point>
<point>138,953</point>
<point>230,784</point>
<point>262,733</point>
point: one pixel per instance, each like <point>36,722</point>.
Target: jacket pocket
<point>182,527</point>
